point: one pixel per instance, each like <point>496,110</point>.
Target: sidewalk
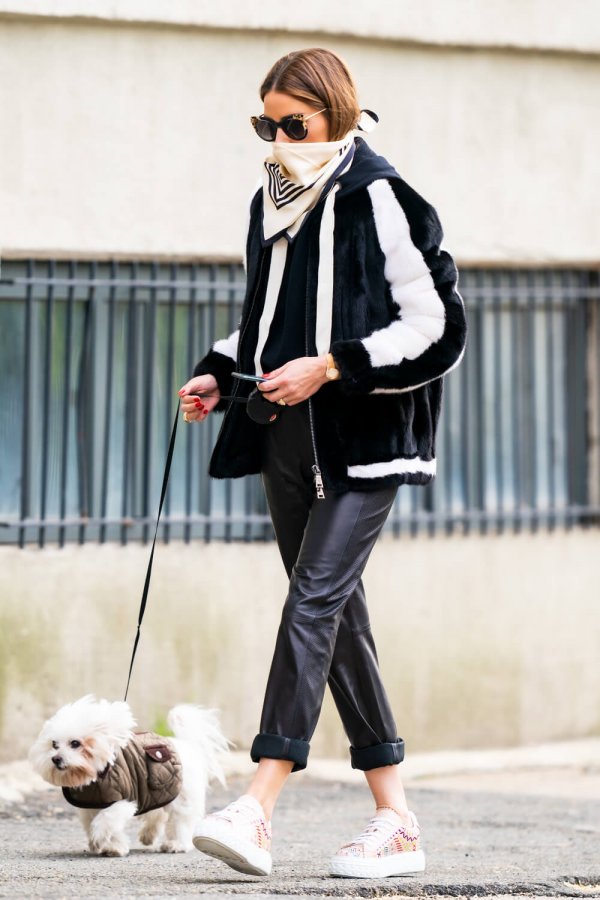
<point>495,823</point>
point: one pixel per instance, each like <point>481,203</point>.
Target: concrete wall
<point>125,124</point>
<point>485,641</point>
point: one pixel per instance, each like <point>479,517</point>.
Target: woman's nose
<point>281,136</point>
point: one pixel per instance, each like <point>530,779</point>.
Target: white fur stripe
<point>412,287</point>
<point>228,346</point>
<point>325,276</point>
<point>399,466</point>
<point>278,257</point>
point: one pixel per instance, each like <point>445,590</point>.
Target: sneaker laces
<point>376,829</point>
<point>245,806</point>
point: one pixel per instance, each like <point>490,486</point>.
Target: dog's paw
<point>113,848</point>
<point>148,836</point>
<point>175,847</point>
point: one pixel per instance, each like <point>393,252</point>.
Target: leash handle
<point>163,492</point>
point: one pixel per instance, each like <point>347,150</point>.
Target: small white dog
<point>112,774</point>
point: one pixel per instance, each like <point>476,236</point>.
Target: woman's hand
<point>197,408</point>
<point>295,381</point>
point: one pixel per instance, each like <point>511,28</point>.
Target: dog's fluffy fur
<point>83,737</point>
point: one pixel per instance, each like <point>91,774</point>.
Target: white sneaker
<point>239,835</point>
<point>386,847</point>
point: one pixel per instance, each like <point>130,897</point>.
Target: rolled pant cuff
<point>273,746</point>
<point>388,754</point>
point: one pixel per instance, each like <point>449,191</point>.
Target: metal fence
<point>93,354</point>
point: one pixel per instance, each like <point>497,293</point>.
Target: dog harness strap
<point>163,492</point>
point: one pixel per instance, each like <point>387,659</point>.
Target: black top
<point>286,338</point>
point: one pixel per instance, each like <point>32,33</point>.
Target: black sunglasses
<point>293,126</point>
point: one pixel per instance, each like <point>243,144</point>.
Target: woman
<point>352,312</point>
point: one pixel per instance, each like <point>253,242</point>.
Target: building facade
<point>127,162</point>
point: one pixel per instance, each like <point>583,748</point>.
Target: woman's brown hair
<point>320,78</point>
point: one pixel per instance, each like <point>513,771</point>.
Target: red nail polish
<point>182,392</point>
<point>265,374</point>
<point>199,405</point>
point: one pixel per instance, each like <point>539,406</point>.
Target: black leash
<point>163,492</point>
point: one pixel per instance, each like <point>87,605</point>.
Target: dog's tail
<point>200,727</point>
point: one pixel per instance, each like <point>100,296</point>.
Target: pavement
<point>517,822</point>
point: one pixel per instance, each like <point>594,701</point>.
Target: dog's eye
<point>75,744</point>
<point>55,745</point>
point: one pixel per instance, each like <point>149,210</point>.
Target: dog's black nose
<point>58,761</point>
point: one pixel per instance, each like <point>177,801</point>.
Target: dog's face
<point>80,740</point>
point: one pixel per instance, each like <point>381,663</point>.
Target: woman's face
<point>277,105</point>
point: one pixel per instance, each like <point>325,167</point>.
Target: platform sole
<point>410,862</point>
<point>241,855</point>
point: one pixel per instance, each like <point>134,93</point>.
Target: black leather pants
<point>324,635</point>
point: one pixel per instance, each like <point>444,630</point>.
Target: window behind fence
<point>93,354</point>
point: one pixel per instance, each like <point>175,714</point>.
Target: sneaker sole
<point>243,856</point>
<point>410,862</point>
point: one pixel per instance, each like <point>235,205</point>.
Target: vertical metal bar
<point>64,462</point>
<point>85,408</point>
<point>395,515</point>
<point>169,388</point>
<point>90,399</point>
<point>231,298</point>
<point>550,357</point>
<point>593,379</point>
<point>530,404</point>
<point>189,434</point>
<point>129,430</point>
<point>565,388</point>
<point>516,368</point>
<point>498,405</point>
<point>580,413</point>
<point>478,445</point>
<point>431,524</point>
<point>570,386</point>
<point>447,448</point>
<point>149,365</point>
<point>47,400</point>
<point>110,353</point>
<point>25,499</point>
<point>465,425</point>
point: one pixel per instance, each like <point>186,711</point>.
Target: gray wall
<point>483,641</point>
<point>125,124</point>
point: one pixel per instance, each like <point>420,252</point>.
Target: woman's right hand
<point>197,408</point>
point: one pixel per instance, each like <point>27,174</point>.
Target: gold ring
<point>186,417</point>
<point>282,402</point>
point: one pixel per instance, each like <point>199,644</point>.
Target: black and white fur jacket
<point>390,314</point>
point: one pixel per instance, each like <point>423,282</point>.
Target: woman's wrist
<point>332,373</point>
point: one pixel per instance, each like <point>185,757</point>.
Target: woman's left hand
<point>295,381</point>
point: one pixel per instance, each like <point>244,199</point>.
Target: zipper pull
<point>318,483</point>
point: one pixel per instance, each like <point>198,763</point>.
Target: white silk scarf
<point>295,176</point>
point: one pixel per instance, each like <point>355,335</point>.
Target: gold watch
<point>331,372</point>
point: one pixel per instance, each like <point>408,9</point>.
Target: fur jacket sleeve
<point>409,285</point>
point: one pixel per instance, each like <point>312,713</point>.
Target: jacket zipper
<point>316,470</point>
